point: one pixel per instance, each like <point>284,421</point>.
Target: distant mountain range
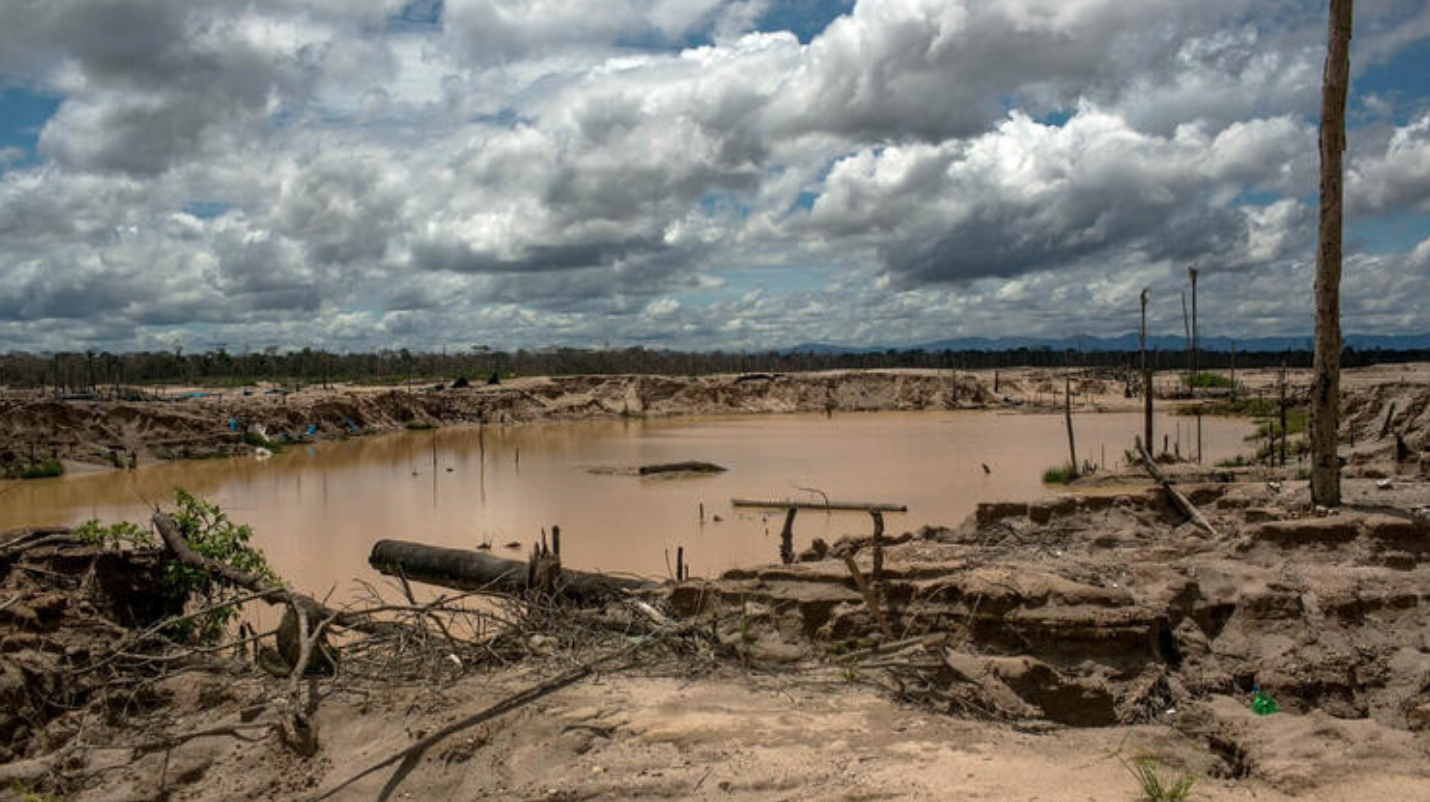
<point>1128,342</point>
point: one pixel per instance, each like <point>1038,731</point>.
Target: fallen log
<point>681,467</point>
<point>1180,501</point>
<point>833,506</point>
<point>473,570</point>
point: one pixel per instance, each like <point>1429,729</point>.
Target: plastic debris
<point>1263,705</point>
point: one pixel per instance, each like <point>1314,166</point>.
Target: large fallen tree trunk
<point>843,506</point>
<point>472,570</point>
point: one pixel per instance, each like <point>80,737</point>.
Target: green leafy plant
<point>43,470</point>
<point>114,536</point>
<point>1060,475</point>
<point>210,533</point>
<point>1156,785</point>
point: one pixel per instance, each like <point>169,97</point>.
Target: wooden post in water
<point>1067,416</point>
<point>876,575</point>
<point>787,537</point>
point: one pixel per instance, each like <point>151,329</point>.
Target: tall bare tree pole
<point>1067,412</point>
<point>1192,271</point>
<point>1326,386</point>
<point>1146,375</point>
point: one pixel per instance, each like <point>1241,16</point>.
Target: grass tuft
<point>47,469</point>
<point>1157,786</point>
<point>1060,475</point>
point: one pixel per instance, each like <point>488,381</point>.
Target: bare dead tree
<point>1146,373</point>
<point>1067,414</point>
<point>1192,272</point>
<point>1325,388</point>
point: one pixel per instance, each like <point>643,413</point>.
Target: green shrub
<point>1060,475</point>
<point>1207,380</point>
<point>210,533</point>
<point>47,469</point>
<point>113,536</point>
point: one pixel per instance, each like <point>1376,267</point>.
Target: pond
<point>316,510</point>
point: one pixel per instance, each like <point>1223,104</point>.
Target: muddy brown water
<point>316,510</point>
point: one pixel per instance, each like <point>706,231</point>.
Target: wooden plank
<point>831,506</point>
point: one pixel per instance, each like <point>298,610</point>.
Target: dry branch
<point>1182,502</point>
<point>869,598</point>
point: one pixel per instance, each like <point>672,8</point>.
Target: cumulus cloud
<point>367,173</point>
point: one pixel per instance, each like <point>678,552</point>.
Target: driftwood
<point>681,467</point>
<point>473,570</point>
<point>1182,502</point>
<point>832,506</point>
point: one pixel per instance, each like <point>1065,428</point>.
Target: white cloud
<point>529,172</point>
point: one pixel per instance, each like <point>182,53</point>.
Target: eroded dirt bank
<point>195,422</point>
<point>34,427</point>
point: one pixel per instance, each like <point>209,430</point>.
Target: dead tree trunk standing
<point>1281,382</point>
<point>1192,271</point>
<point>1233,370</point>
<point>1146,374</point>
<point>1187,340</point>
<point>1067,415</point>
<point>1326,386</point>
<point>787,537</point>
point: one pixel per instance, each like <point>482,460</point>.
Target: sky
<point>693,174</point>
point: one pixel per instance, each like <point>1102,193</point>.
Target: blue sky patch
<point>1395,232</point>
<point>206,209</point>
<point>1401,79</point>
<point>23,113</point>
<point>805,19</point>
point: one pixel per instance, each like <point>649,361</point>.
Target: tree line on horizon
<point>93,371</point>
